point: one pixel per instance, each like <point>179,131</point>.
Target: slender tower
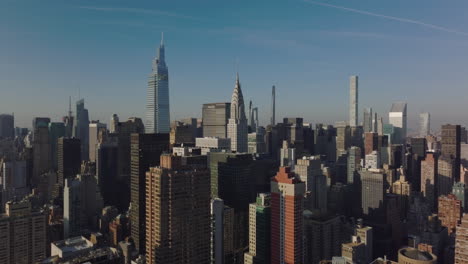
<point>273,105</point>
<point>237,126</point>
<point>157,100</point>
<point>353,101</point>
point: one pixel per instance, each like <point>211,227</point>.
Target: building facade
<point>237,125</point>
<point>353,101</point>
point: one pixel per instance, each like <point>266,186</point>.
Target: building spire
<point>162,39</point>
<point>69,106</point>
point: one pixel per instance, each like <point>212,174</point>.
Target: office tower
<point>222,232</point>
<point>366,235</point>
<point>461,241</point>
<point>429,174</point>
<point>323,236</point>
<point>7,126</point>
<point>353,101</point>
<point>114,123</point>
<point>273,106</point>
<point>68,158</point>
<point>294,132</point>
<point>398,118</point>
<point>451,147</point>
<point>56,130</point>
<point>354,161</point>
<point>353,252</point>
<point>178,211</point>
<point>287,193</point>
<point>81,130</point>
<point>375,123</point>
<point>372,160</point>
<point>256,141</point>
<point>450,211</point>
<point>446,171</point>
<point>157,99</point>
<point>82,204</point>
<point>94,129</point>
<point>232,181</point>
<point>370,142</point>
<point>287,155</point>
<point>343,138</point>
<point>41,152</point>
<point>181,134</point>
<point>414,256</point>
<point>119,229</point>
<point>380,126</point>
<point>145,152</point>
<point>14,183</point>
<point>123,133</point>
<point>402,188</point>
<point>373,188</point>
<point>215,119</point>
<point>107,173</point>
<point>22,234</point>
<point>212,144</point>
<point>259,231</point>
<point>237,125</point>
<point>424,124</point>
<point>464,135</point>
<point>68,121</point>
<point>309,171</point>
<point>367,121</point>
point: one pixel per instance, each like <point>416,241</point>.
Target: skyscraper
<point>424,124</point>
<point>367,122</point>
<point>451,146</point>
<point>398,118</point>
<point>7,126</point>
<point>68,121</point>
<point>82,128</point>
<point>353,101</point>
<point>94,128</point>
<point>461,244</point>
<point>237,126</point>
<point>215,119</point>
<point>145,152</point>
<point>157,99</point>
<point>273,105</point>
<point>68,158</point>
<point>429,172</point>
<point>178,211</point>
<point>259,231</point>
<point>287,194</point>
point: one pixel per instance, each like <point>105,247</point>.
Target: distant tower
<point>273,105</point>
<point>114,123</point>
<point>237,126</point>
<point>82,127</point>
<point>157,100</point>
<point>367,122</point>
<point>68,120</point>
<point>424,124</point>
<point>397,117</point>
<point>353,101</point>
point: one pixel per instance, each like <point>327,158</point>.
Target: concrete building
<point>451,147</point>
<point>94,129</point>
<point>402,188</point>
<point>461,241</point>
<point>259,231</point>
<point>178,211</point>
<point>287,194</point>
<point>309,171</point>
<point>145,152</point>
<point>446,170</point>
<point>68,159</point>
<point>56,131</point>
<point>424,125</point>
<point>22,234</point>
<point>367,121</point>
<point>293,129</point>
<point>237,126</point>
<point>354,163</point>
<point>82,203</point>
<point>107,156</point>
<point>13,180</point>
<point>222,232</point>
<point>353,101</point>
<point>343,138</point>
<point>157,98</point>
<point>429,174</point>
<point>373,189</point>
<point>70,247</point>
<point>215,119</point>
<point>398,119</point>
<point>373,160</point>
<point>287,155</point>
<point>323,235</point>
<point>42,161</point>
<point>370,142</point>
<point>256,141</point>
<point>181,134</point>
<point>450,212</point>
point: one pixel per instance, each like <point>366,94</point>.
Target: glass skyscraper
<point>157,100</point>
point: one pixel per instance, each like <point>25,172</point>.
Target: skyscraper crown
<point>237,102</point>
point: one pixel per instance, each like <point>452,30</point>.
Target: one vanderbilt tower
<point>157,99</point>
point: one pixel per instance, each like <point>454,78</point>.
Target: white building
<point>373,160</point>
<point>424,124</point>
<point>398,118</point>
<point>213,144</point>
<point>237,125</point>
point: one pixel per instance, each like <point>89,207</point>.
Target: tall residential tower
<point>157,99</point>
<point>353,101</point>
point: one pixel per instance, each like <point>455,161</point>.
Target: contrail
<point>400,19</point>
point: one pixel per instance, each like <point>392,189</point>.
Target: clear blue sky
<point>402,50</point>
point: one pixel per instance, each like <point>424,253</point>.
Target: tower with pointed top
<point>157,99</point>
<point>237,125</point>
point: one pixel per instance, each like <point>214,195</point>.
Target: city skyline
<point>383,51</point>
